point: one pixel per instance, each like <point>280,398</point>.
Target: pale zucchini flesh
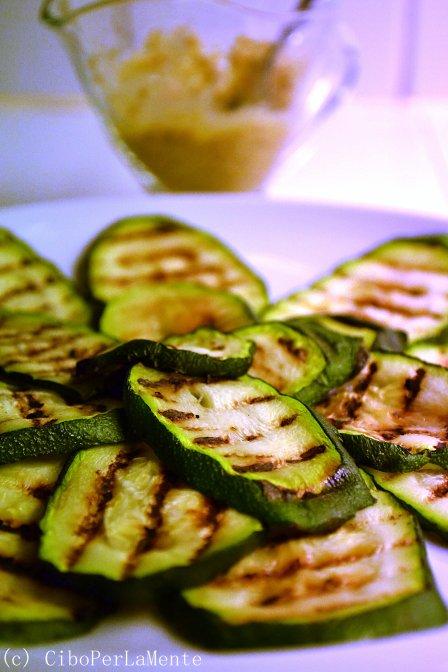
<point>36,349</point>
<point>402,285</point>
<point>118,503</point>
<point>155,249</point>
<point>35,423</point>
<point>242,442</point>
<point>425,491</point>
<point>392,414</point>
<point>32,611</point>
<point>368,578</point>
<point>284,358</point>
<point>31,284</point>
<point>204,352</point>
<point>161,310</point>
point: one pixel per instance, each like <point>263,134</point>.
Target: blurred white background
<point>403,43</point>
<point>386,147</point>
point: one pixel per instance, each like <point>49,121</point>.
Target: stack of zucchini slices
<point>202,445</point>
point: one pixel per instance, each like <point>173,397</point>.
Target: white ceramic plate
<point>290,244</point>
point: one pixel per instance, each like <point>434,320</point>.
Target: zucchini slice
<point>367,579</point>
<point>155,249</point>
<point>205,352</point>
<point>243,443</point>
<point>284,358</point>
<point>25,487</point>
<point>392,416</point>
<point>425,491</point>
<point>31,284</point>
<point>373,336</point>
<point>402,285</point>
<point>344,355</point>
<point>117,503</point>
<point>433,350</point>
<point>33,611</point>
<point>17,548</point>
<point>36,423</point>
<point>177,308</point>
<point>36,349</point>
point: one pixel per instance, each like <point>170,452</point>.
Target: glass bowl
<point>207,95</point>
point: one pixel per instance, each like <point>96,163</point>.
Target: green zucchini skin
<point>384,339</point>
<point>333,506</point>
<point>345,355</point>
<point>114,364</point>
<point>37,350</point>
<point>137,509</point>
<point>398,285</point>
<point>283,357</point>
<point>158,238</point>
<point>165,309</point>
<point>418,608</point>
<point>388,390</point>
<point>39,433</point>
<point>35,606</point>
<point>400,486</point>
<point>32,284</point>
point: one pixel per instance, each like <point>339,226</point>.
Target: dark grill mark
<point>312,452</point>
<point>297,352</point>
<point>30,408</point>
<point>143,235</point>
<point>364,382</point>
<point>259,400</point>
<point>92,522</point>
<point>285,422</point>
<point>268,465</point>
<point>440,490</point>
<point>41,492</point>
<point>177,416</point>
<point>372,302</point>
<point>154,517</point>
<point>412,387</point>
<point>212,440</point>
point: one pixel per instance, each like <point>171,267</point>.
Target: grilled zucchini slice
<point>205,352</point>
<point>31,284</point>
<point>33,611</point>
<point>243,443</point>
<point>344,355</point>
<point>391,416</point>
<point>38,350</point>
<point>177,308</point>
<point>117,502</point>
<point>155,249</point>
<point>402,285</point>
<point>18,548</point>
<point>369,578</point>
<point>425,491</point>
<point>284,358</point>
<point>36,423</point>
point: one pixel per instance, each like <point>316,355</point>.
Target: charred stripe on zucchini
<point>242,442</point>
<point>157,311</point>
<point>117,502</point>
<point>402,285</point>
<point>155,249</point>
<point>369,578</point>
<point>36,423</point>
<point>392,415</point>
<point>31,284</point>
<point>36,349</point>
<point>205,352</point>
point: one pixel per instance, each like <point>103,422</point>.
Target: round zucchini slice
<point>284,358</point>
<point>391,416</point>
<point>118,503</point>
<point>31,284</point>
<point>36,423</point>
<point>244,444</point>
<point>155,249</point>
<point>402,285</point>
<point>369,578</point>
<point>205,352</point>
<point>32,611</point>
<point>424,491</point>
<point>158,311</point>
<point>38,350</point>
